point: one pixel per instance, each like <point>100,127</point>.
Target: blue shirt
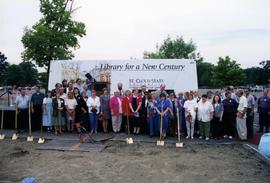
<point>229,106</point>
<point>264,104</point>
<point>163,105</point>
<point>22,102</point>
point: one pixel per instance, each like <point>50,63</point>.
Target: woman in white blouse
<point>190,107</point>
<point>93,104</point>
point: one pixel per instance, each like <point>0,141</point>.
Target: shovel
<point>2,135</point>
<point>160,142</point>
<point>15,136</point>
<point>129,140</point>
<point>41,139</point>
<point>178,143</point>
<point>30,138</point>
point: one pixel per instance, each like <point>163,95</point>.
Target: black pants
<point>249,123</point>
<point>216,127</point>
<point>264,121</point>
<point>229,122</point>
<point>23,119</point>
<point>143,122</point>
<point>37,117</point>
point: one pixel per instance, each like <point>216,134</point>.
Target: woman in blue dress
<point>152,114</point>
<point>163,110</point>
<point>47,111</point>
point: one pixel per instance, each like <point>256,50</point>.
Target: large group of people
<point>71,106</point>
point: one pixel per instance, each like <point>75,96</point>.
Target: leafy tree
<point>205,73</point>
<point>257,75</point>
<point>42,79</point>
<point>170,48</point>
<point>265,64</point>
<point>54,36</point>
<point>3,67</point>
<point>23,74</point>
<point>30,73</point>
<point>15,75</point>
<point>177,49</point>
<point>227,72</point>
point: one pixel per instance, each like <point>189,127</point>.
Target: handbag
<point>94,110</point>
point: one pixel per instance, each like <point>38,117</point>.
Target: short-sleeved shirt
<point>250,102</point>
<point>204,111</point>
<point>71,103</point>
<point>22,101</point>
<point>218,109</point>
<point>229,106</point>
<point>264,104</point>
<point>242,104</point>
<point>190,105</point>
<point>37,98</point>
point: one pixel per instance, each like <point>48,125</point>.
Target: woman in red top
<point>135,103</point>
<point>126,108</point>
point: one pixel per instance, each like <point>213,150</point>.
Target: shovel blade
<point>179,144</point>
<point>129,140</point>
<point>41,140</point>
<point>160,143</point>
<point>2,136</point>
<point>14,136</point>
<point>30,139</point>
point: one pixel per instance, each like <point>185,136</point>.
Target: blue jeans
<point>93,121</point>
<point>153,125</point>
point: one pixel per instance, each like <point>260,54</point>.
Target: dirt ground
<point>140,163</point>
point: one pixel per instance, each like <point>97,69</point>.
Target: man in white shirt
<point>22,105</point>
<point>241,116</point>
<point>205,115</point>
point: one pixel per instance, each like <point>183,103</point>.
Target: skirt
<point>59,120</point>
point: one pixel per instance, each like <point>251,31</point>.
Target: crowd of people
<point>71,106</point>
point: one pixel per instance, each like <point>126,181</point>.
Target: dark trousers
<point>183,123</point>
<point>249,123</point>
<point>229,122</point>
<point>23,119</point>
<point>216,126</point>
<point>264,121</point>
<point>37,117</point>
<point>143,122</point>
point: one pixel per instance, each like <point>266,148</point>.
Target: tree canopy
<point>3,67</point>
<point>54,36</point>
<point>173,48</point>
<point>227,72</point>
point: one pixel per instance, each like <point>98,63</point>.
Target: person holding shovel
<point>163,110</point>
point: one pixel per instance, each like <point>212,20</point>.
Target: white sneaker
<point>206,138</point>
<point>187,137</point>
<point>230,137</point>
<point>200,137</point>
<point>192,137</point>
<point>225,136</point>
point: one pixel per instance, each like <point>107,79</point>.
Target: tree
<point>257,76</point>
<point>54,36</point>
<point>177,49</point>
<point>15,75</point>
<point>170,49</point>
<point>205,73</point>
<point>23,74</point>
<point>265,64</point>
<point>3,67</point>
<point>227,72</point>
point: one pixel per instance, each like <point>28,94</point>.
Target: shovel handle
<point>178,124</point>
<point>16,119</point>
<point>2,120</point>
<point>30,129</point>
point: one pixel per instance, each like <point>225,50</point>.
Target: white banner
<point>176,74</point>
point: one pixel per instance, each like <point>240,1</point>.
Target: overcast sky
<point>120,29</point>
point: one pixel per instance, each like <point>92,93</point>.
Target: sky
<point>124,29</point>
